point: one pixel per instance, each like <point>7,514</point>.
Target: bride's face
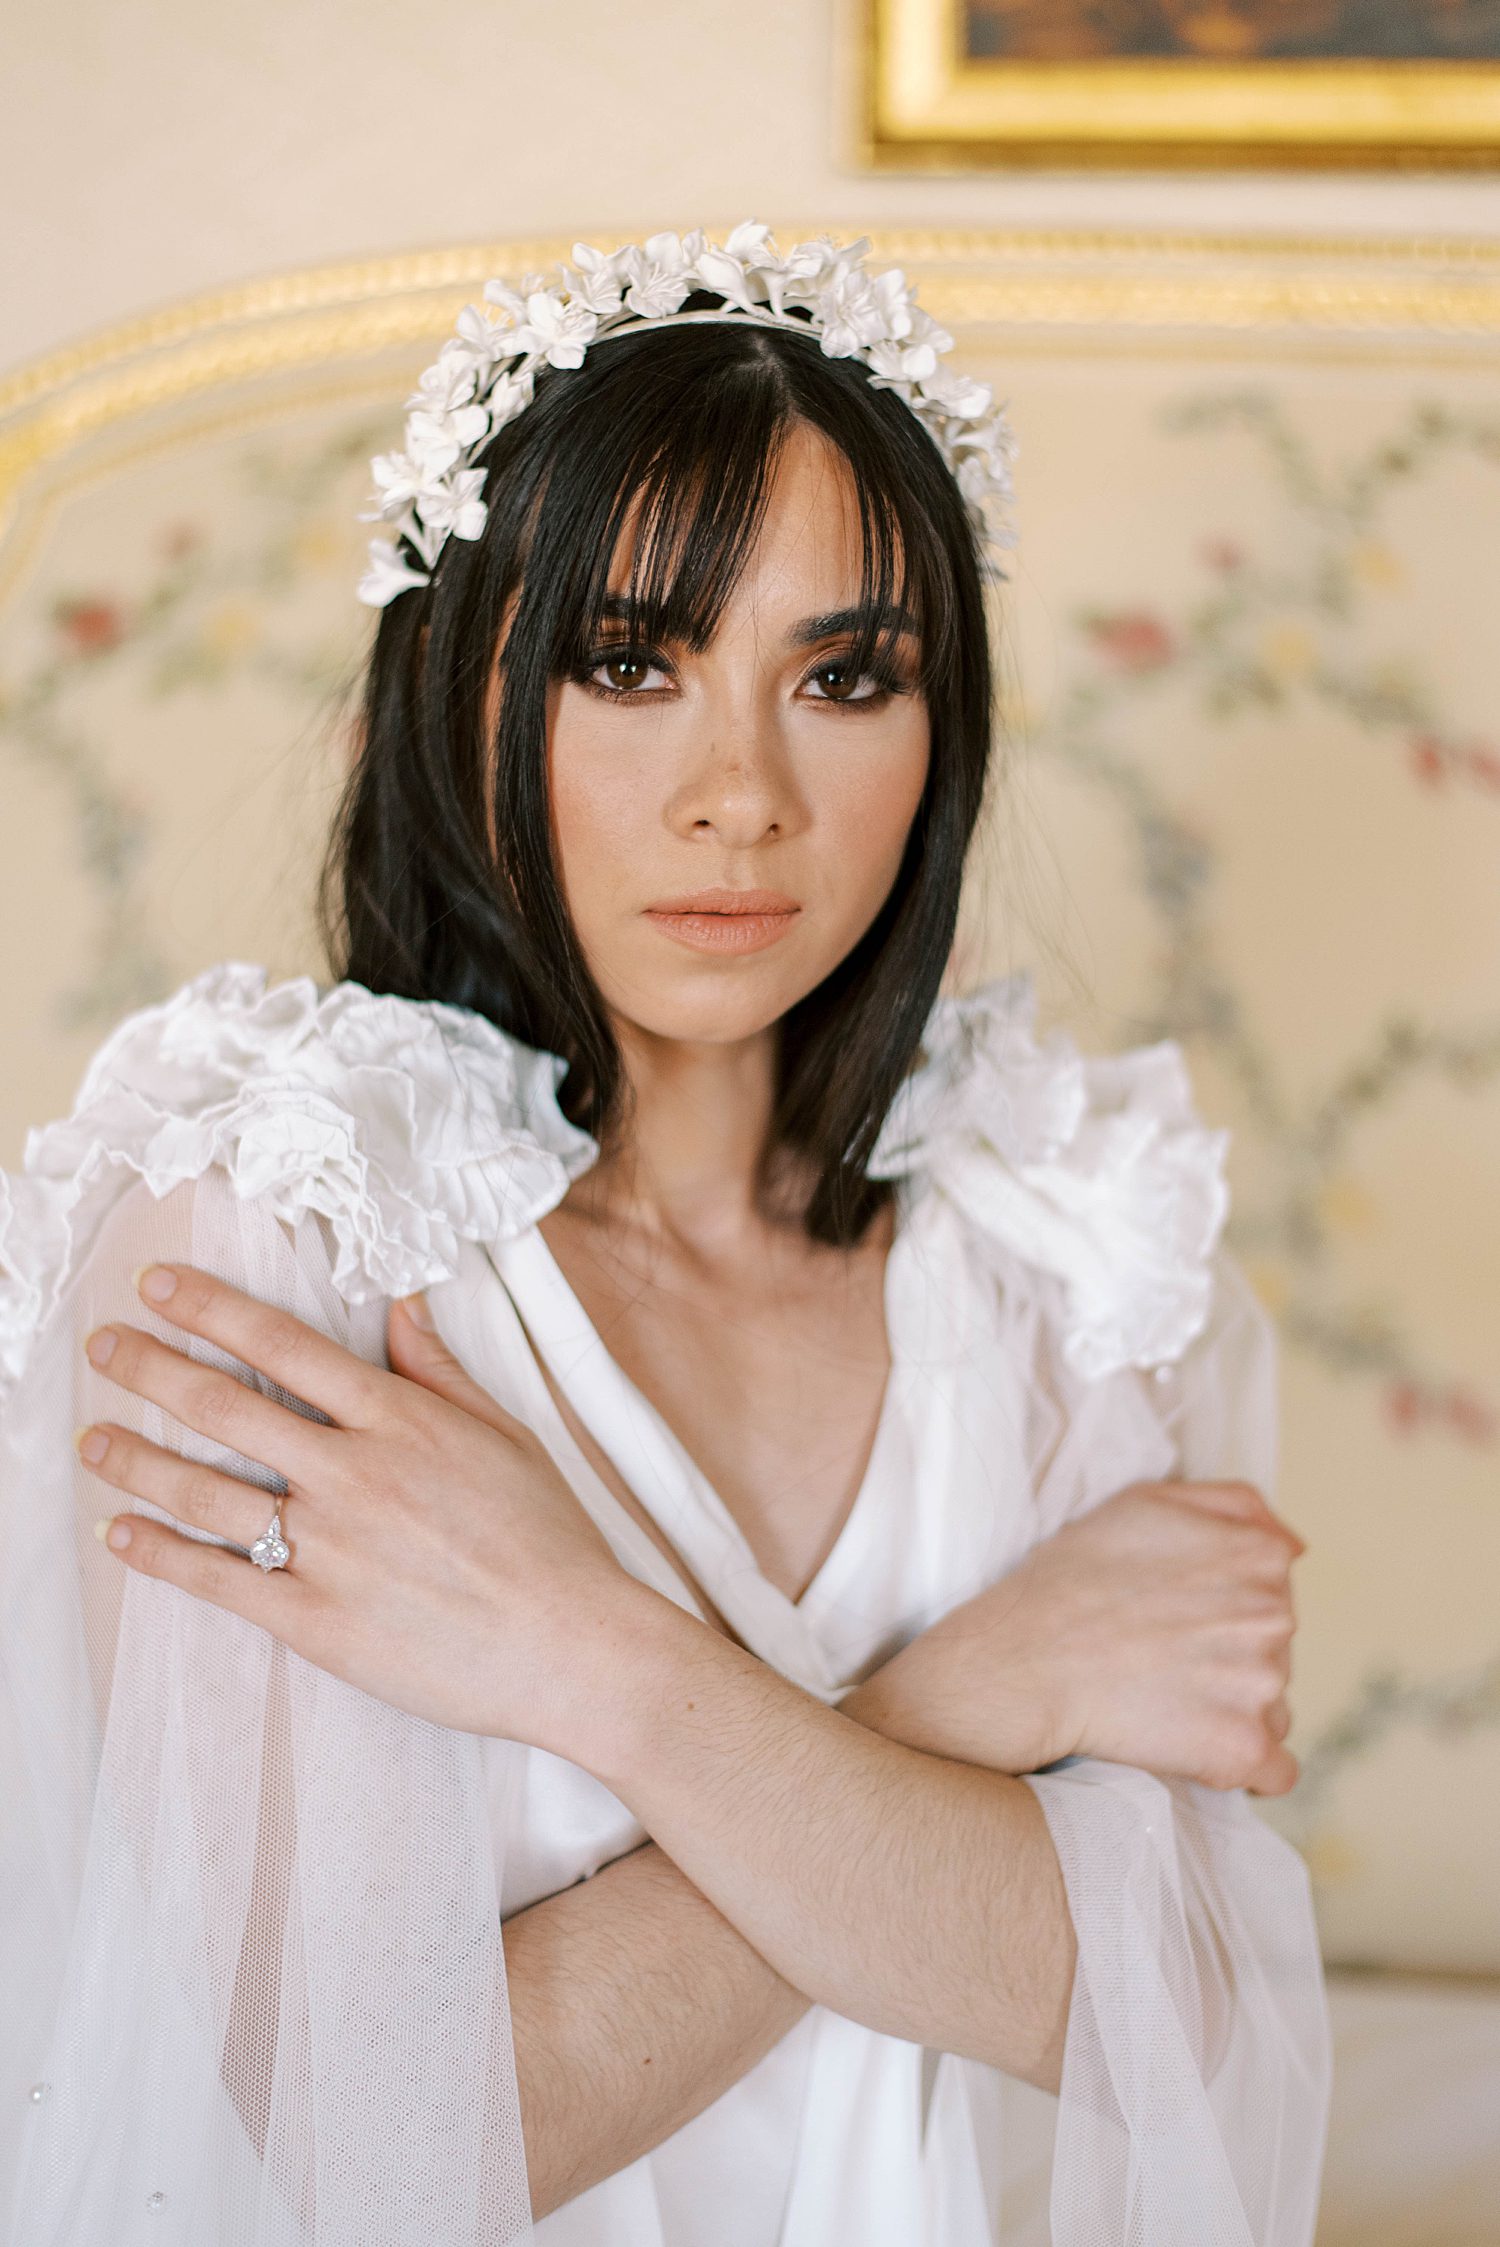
<point>763,764</point>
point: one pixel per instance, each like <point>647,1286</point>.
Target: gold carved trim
<point>929,105</point>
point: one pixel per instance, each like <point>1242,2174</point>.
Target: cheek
<point>864,800</point>
<point>601,806</point>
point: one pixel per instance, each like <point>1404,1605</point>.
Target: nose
<point>738,785</point>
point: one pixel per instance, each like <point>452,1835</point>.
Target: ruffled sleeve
<point>403,1125</point>
<point>254,1980</point>
<point>1096,1170</point>
<point>1196,2076</point>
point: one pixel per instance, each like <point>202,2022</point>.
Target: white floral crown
<point>484,374</point>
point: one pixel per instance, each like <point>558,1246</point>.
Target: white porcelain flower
<point>435,441</point>
<point>596,282</point>
<point>399,481</point>
<point>386,574</point>
<point>510,395</point>
<point>485,372</point>
<point>787,279</point>
<point>450,381</point>
<point>729,270</point>
<point>458,508</point>
<point>479,339</point>
<point>841,333</point>
<point>659,276</point>
<point>561,332</point>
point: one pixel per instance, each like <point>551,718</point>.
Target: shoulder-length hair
<point>686,424</point>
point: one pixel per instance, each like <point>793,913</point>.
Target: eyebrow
<point>890,616</point>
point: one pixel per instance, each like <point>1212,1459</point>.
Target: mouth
<point>725,920</point>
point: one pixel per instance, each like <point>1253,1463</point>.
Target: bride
<point>685,1608</point>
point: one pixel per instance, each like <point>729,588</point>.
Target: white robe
<point>255,1947</point>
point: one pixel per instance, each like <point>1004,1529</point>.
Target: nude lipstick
<point>725,920</point>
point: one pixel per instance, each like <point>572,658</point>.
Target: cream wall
<point>168,146</point>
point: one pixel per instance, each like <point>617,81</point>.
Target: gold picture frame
<point>929,105</point>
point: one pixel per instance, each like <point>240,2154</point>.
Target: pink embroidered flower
<point>1403,1401</point>
<point>90,627</point>
<point>1132,639</point>
<point>1469,1417</point>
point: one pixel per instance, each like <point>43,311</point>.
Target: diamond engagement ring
<point>271,1549</point>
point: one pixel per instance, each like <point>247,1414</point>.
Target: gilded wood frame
<point>927,106</point>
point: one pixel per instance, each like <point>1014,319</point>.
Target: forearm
<point>919,1896</point>
<point>636,2003</point>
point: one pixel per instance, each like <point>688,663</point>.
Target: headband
<point>485,373</point>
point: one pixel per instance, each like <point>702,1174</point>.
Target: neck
<point>688,1158</point>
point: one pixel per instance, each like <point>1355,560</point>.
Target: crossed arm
<point>919,1895</point>
<point>800,1853</point>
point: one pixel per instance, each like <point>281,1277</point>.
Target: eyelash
<point>887,677</point>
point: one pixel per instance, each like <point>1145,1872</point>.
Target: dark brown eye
<point>836,682</point>
<point>624,669</point>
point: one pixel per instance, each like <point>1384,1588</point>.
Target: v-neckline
<point>624,1404</point>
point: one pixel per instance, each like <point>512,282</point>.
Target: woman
<point>632,1383</point>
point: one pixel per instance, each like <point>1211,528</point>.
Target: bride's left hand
<point>438,1558</point>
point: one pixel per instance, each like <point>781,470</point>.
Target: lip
<point>725,920</point>
<point>727,901</point>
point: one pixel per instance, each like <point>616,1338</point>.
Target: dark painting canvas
<point>1232,30</point>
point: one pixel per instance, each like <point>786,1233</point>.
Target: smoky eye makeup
<point>885,675</point>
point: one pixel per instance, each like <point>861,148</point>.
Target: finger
<point>418,1353</point>
<point>214,1404</point>
<point>296,1356</point>
<point>272,1598</point>
<point>185,1488</point>
<point>1234,1501</point>
<point>1277,1775</point>
<point>1278,1719</point>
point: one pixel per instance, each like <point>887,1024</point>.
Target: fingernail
<point>156,1282</point>
<point>101,1346</point>
<point>92,1444</point>
<point>417,1310</point>
<point>101,1528</point>
<point>117,1536</point>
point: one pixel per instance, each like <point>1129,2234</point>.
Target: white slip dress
<point>1063,1319</point>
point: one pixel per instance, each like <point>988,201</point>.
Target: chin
<point>707,1001</point>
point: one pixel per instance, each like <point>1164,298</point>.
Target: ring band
<point>271,1549</point>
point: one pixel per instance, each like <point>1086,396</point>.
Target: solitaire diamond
<point>271,1549</point>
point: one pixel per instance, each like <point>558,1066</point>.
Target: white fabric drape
<point>1194,2102</point>
<point>253,1962</point>
<point>254,1974</point>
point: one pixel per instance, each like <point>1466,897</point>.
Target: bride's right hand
<point>1153,1630</point>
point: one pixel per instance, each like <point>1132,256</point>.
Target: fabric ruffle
<point>1096,1169</point>
<point>410,1124</point>
<point>407,1125</point>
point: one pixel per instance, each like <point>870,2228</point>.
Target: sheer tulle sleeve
<point>1193,2104</point>
<point>254,1983</point>
<point>255,1993</point>
<point>1194,2097</point>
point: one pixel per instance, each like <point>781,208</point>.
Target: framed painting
<point>996,84</point>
